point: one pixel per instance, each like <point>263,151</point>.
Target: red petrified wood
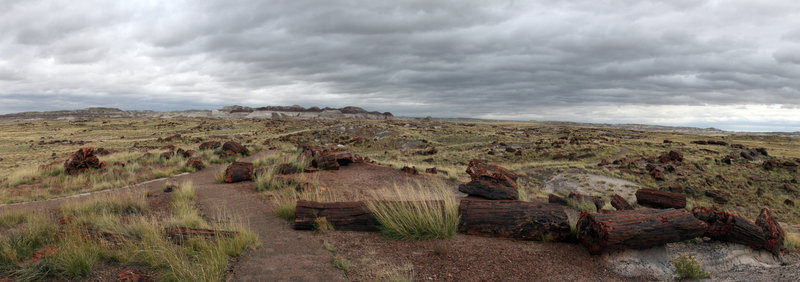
<point>513,219</point>
<point>660,199</point>
<point>620,203</point>
<point>730,227</point>
<point>239,171</point>
<point>636,229</point>
<point>81,161</point>
<point>490,181</point>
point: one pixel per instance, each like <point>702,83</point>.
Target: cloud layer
<point>672,62</point>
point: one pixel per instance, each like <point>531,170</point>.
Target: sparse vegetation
<point>421,211</point>
<point>342,263</point>
<point>688,267</point>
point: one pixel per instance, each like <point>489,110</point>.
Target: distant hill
<point>225,112</point>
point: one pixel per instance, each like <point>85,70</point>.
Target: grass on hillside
<point>139,241</point>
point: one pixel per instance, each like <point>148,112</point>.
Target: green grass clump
<point>689,267</point>
<point>582,205</point>
<point>418,212</point>
<point>12,219</point>
<point>266,181</point>
<point>792,241</point>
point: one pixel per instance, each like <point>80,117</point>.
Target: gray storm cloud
<point>622,61</point>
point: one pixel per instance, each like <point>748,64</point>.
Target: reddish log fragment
<point>348,216</point>
<point>620,203</point>
<point>332,160</point>
<point>238,172</point>
<point>660,199</point>
<point>730,227</point>
<point>513,219</point>
<point>636,229</point>
<point>772,229</point>
<point>490,181</point>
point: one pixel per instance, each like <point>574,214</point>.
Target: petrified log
<point>331,160</point>
<point>349,216</point>
<point>660,199</point>
<point>195,163</point>
<point>210,145</point>
<point>636,229</point>
<point>239,171</point>
<point>555,199</point>
<point>81,161</point>
<point>490,181</point>
<point>234,148</point>
<point>730,227</point>
<point>513,219</point>
<point>620,203</point>
<point>178,234</point>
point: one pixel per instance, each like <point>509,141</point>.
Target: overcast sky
<point>730,64</point>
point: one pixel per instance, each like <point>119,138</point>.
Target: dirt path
<point>286,255</point>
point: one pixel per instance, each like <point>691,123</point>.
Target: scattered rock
<point>167,155</point>
<point>331,160</point>
<point>48,251</point>
<point>431,170</point>
<point>101,152</point>
<point>189,153</point>
<point>428,152</point>
<point>239,171</point>
<point>170,187</point>
<point>671,156</point>
<point>788,202</point>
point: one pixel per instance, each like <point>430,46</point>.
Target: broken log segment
<point>619,203</point>
<point>513,219</point>
<point>348,216</point>
<point>660,199</point>
<point>636,229</point>
<point>730,227</point>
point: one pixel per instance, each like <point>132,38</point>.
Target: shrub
<point>686,267</point>
<point>417,212</point>
<point>322,225</point>
<point>342,263</point>
<point>792,241</point>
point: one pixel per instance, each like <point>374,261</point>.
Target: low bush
<point>689,267</point>
<point>420,211</point>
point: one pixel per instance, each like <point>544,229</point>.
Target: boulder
<point>239,171</point>
<point>189,153</point>
<point>234,148</point>
<point>210,145</point>
<point>490,181</point>
<point>81,161</point>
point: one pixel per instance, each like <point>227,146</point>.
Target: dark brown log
<point>238,172</point>
<point>660,199</point>
<point>730,227</point>
<point>489,190</point>
<point>636,229</point>
<point>332,160</point>
<point>620,203</point>
<point>514,219</point>
<point>555,199</point>
<point>348,216</point>
<point>178,234</point>
<point>235,148</point>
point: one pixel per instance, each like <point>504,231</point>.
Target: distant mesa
<point>234,112</point>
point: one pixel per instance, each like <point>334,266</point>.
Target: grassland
<point>533,150</point>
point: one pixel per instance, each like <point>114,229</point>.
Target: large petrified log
<point>490,181</point>
<point>636,229</point>
<point>660,199</point>
<point>81,161</point>
<point>238,172</point>
<point>331,160</point>
<point>620,203</point>
<point>349,216</point>
<point>730,227</point>
<point>513,219</point>
<point>231,148</point>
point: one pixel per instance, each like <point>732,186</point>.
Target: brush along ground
<point>285,255</point>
